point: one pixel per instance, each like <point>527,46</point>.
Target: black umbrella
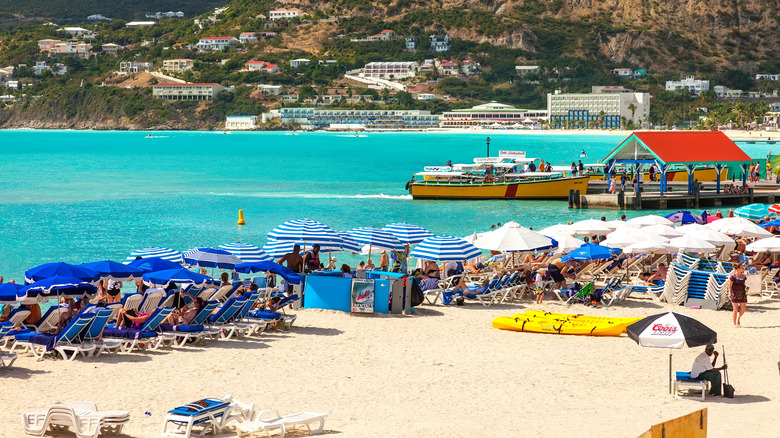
<point>671,330</point>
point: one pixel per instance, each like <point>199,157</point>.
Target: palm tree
<point>602,118</point>
<point>740,112</point>
<point>631,107</point>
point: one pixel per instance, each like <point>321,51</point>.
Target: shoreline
<point>732,134</point>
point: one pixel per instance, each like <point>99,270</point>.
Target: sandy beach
<point>441,372</point>
<point>733,134</point>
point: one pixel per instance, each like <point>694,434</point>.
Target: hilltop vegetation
<point>574,43</point>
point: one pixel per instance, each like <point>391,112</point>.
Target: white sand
<point>442,372</point>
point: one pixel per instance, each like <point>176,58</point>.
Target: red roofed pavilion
<point>687,148</point>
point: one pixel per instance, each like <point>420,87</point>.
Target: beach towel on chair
<point>45,339</point>
<point>193,328</point>
<point>128,333</point>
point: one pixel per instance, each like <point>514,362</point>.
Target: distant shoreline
<point>733,134</point>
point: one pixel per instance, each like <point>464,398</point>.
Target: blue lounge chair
<point>224,316</point>
<point>94,331</point>
<point>209,414</point>
<point>180,335</point>
<point>239,324</point>
<point>685,379</point>
<point>142,336</point>
<point>6,327</point>
<point>67,341</point>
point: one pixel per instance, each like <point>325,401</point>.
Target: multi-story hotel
<point>177,65</point>
<point>488,114</point>
<point>390,70</point>
<point>186,91</point>
<point>606,107</point>
<point>370,119</point>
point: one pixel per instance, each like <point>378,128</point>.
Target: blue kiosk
<point>329,290</point>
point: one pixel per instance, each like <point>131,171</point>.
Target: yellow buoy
<point>241,217</point>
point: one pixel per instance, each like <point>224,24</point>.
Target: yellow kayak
<point>544,325</point>
<point>625,322</point>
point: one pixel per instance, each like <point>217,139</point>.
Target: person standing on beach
<point>311,260</point>
<point>703,369</point>
<point>384,261</point>
<point>738,294</point>
<point>612,184</point>
<point>293,259</point>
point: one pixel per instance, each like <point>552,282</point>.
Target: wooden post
<point>750,195</point>
<point>577,199</point>
<point>571,198</point>
<point>696,195</point>
<point>638,199</point>
<point>621,199</point>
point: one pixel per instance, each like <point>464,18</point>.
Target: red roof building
<point>686,148</point>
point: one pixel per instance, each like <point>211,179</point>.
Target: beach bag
<point>417,294</point>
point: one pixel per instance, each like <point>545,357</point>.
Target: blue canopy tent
<point>590,251</point>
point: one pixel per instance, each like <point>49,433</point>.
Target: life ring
<point>409,184</point>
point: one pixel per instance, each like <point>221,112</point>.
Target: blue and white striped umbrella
<point>377,238</point>
<point>348,244</point>
<point>164,253</point>
<point>305,230</point>
<point>246,252</point>
<point>211,258</point>
<point>445,248</point>
<point>52,287</point>
<point>408,233</point>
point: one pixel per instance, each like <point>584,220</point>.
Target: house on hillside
<point>696,86</point>
<point>266,35</point>
<point>411,43</point>
<point>209,44</point>
<point>140,23</point>
<point>130,67</point>
<point>178,65</point>
<point>295,63</point>
<point>47,45</point>
<point>79,49</point>
<point>390,70</point>
<point>78,32</point>
<point>186,91</point>
<point>385,35</point>
<point>263,66</point>
<point>112,49</point>
<point>284,14</point>
<point>439,43</point>
<point>247,38</point>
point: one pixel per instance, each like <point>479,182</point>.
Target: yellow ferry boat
<point>503,177</point>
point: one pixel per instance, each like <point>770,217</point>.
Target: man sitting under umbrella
<point>703,369</point>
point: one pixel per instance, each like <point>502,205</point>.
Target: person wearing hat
<point>332,264</point>
<point>704,369</point>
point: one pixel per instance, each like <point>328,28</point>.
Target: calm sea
<point>79,196</point>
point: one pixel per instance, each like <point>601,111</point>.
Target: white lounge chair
<point>274,421</point>
<point>84,417</point>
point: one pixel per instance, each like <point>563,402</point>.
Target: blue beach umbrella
<point>8,292</point>
<point>308,231</point>
<point>407,233</point>
<point>60,269</point>
<point>113,270</point>
<point>774,223</point>
<point>754,212</point>
<point>211,258</point>
<point>152,264</point>
<point>376,237</point>
<point>164,253</point>
<point>590,251</point>
<point>246,252</point>
<point>181,276</point>
<point>684,217</point>
<point>288,274</point>
<point>445,248</point>
<point>56,287</point>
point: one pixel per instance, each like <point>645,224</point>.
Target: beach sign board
<point>511,154</point>
<point>362,295</point>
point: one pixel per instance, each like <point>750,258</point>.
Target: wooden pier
<point>649,198</point>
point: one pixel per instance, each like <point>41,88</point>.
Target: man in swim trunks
<point>293,259</point>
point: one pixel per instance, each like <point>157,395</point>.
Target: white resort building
<point>390,70</point>
<point>606,105</point>
<point>697,86</point>
<point>314,118</point>
<point>130,67</point>
<point>177,65</point>
<point>238,123</point>
<point>186,91</point>
<point>284,14</point>
<point>215,43</point>
<point>489,114</point>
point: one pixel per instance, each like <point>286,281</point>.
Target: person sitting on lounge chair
<point>131,318</point>
<point>186,313</point>
<point>464,290</point>
<point>659,277</point>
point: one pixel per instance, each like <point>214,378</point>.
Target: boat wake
<point>311,195</point>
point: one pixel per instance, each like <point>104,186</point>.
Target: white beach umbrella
<point>746,230</point>
<point>590,227</point>
<point>650,247</point>
<point>690,244</point>
<point>648,220</point>
<point>770,244</point>
<point>566,243</point>
<point>727,223</point>
<point>618,224</point>
<point>515,237</point>
<point>557,229</point>
<point>622,241</point>
<point>628,236</point>
<point>690,228</point>
<point>663,231</point>
<point>474,237</point>
<point>712,236</point>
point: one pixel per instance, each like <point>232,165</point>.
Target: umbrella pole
<point>670,371</point>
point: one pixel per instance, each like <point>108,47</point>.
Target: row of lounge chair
<point>89,333</point>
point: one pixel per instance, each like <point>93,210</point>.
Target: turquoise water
<point>79,196</point>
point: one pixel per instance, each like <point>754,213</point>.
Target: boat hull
<point>538,189</point>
